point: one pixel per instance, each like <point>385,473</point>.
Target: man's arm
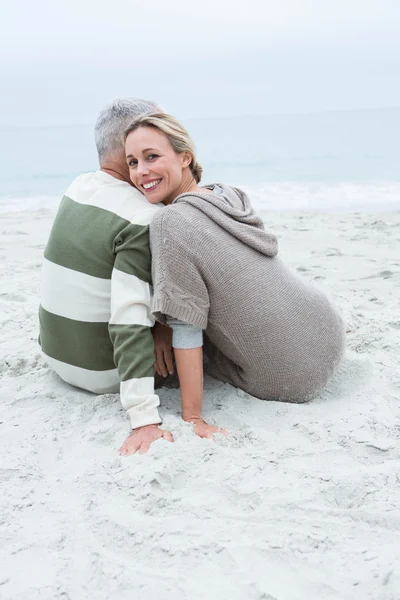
<point>130,329</point>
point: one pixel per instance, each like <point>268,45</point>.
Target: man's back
<point>95,315</point>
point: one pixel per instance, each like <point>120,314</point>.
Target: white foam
<point>14,204</point>
<point>324,197</point>
<point>276,196</point>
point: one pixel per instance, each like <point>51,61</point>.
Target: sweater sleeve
<point>185,336</point>
<point>179,289</point>
<point>130,325</point>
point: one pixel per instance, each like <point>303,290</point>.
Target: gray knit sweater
<point>267,330</point>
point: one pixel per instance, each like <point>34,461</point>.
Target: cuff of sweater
<point>163,306</point>
<point>185,336</point>
<point>140,419</point>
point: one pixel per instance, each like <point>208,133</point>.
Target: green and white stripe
<point>95,314</point>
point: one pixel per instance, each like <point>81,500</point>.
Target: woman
<point>216,270</point>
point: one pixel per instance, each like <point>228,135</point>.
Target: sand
<point>302,502</point>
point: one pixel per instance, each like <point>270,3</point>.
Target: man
<point>95,319</point>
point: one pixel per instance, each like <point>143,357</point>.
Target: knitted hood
<point>230,208</point>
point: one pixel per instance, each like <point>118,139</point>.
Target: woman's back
<point>268,331</point>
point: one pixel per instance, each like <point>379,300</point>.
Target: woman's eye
<point>133,163</point>
<point>152,156</point>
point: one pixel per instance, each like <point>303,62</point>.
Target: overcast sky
<point>60,61</point>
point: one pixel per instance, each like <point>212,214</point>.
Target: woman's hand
<point>204,430</point>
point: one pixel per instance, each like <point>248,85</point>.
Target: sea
<point>332,161</point>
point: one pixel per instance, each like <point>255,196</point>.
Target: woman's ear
<point>186,159</point>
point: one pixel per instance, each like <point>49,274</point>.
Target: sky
<point>61,61</point>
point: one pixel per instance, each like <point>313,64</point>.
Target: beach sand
<point>301,502</point>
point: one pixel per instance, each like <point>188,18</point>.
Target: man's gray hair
<point>114,119</point>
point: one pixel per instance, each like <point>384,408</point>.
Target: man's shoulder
<point>87,186</point>
<point>101,190</point>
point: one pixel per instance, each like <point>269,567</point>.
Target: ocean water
<point>328,161</point>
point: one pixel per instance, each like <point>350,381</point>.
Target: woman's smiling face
<point>154,166</point>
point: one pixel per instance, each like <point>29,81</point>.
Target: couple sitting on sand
<point>143,262</point>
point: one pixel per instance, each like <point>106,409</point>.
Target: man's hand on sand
<point>142,438</point>
<point>162,335</point>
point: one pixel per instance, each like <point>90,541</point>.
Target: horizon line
<point>217,118</point>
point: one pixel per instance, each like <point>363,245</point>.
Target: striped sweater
<point>95,319</point>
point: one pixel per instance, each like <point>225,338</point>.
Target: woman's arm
<point>183,293</point>
<point>189,364</point>
<point>187,342</point>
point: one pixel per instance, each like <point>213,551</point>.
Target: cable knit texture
<point>268,331</point>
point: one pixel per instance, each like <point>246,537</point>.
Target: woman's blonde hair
<point>176,134</point>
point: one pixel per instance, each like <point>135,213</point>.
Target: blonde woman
<point>219,283</point>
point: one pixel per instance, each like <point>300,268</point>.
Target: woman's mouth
<point>151,185</point>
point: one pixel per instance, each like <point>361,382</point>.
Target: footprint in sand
<point>14,297</point>
<point>20,366</point>
<point>380,225</point>
<point>14,233</point>
<point>357,238</point>
<point>385,274</point>
<point>352,375</point>
<point>382,274</point>
<point>333,252</point>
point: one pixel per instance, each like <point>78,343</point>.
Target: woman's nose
<point>142,168</point>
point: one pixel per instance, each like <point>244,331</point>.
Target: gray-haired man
<point>95,318</point>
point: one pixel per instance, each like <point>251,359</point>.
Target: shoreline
<point>334,197</point>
